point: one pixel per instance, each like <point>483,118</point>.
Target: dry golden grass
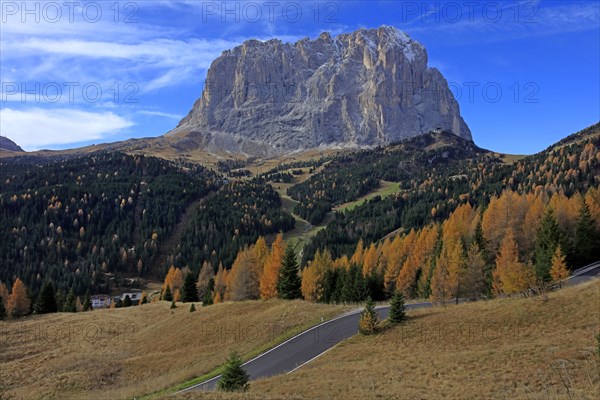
<point>502,349</point>
<point>122,353</point>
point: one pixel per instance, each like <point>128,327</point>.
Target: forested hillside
<point>463,223</point>
<point>81,221</point>
<point>350,176</point>
<point>566,169</point>
<point>233,217</point>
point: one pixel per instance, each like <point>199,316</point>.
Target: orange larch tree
<point>220,283</point>
<point>268,281</point>
<point>511,276</point>
<point>448,272</point>
<point>19,303</point>
<point>559,271</point>
<point>243,279</point>
<point>312,276</point>
<point>370,261</point>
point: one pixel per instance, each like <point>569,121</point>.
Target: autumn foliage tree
<point>268,280</point>
<point>206,283</point>
<point>367,324</point>
<point>511,276</point>
<point>448,273</point>
<point>314,274</point>
<point>243,278</point>
<point>220,284</point>
<point>174,280</point>
<point>18,303</point>
<point>559,271</point>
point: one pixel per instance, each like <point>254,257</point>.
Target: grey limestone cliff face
<point>369,87</point>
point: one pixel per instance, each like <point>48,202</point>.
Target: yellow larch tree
<point>592,198</point>
<point>394,261</point>
<point>370,261</point>
<point>268,280</point>
<point>448,272</point>
<point>18,303</point>
<point>511,276</point>
<point>173,279</point>
<point>4,293</point>
<point>313,274</point>
<point>358,256</point>
<point>559,271</point>
<point>220,283</point>
<point>243,279</point>
<point>261,252</point>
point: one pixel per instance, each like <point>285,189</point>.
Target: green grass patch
<point>385,189</point>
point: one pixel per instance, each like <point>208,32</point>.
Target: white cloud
<point>36,128</point>
<point>161,114</point>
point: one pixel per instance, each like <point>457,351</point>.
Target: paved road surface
<point>310,344</point>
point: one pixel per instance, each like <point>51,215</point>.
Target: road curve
<point>302,348</point>
<point>312,343</point>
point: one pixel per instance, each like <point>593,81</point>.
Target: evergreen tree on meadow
<point>168,296</point>
<point>548,238</point>
<point>367,325</point>
<point>289,283</point>
<point>587,238</point>
<point>234,377</point>
<point>190,292</point>
<point>127,301</point>
<point>173,305</point>
<point>87,301</point>
<point>192,308</point>
<point>2,310</point>
<point>397,308</point>
<point>70,305</point>
<point>46,302</point>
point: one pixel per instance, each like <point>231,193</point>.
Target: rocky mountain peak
<point>7,144</point>
<point>368,87</point>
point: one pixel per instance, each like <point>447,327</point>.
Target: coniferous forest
<point>463,222</point>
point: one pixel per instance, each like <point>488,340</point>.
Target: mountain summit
<point>7,144</point>
<point>369,87</point>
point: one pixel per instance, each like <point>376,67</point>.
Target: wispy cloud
<point>161,114</point>
<point>511,21</point>
<point>37,128</point>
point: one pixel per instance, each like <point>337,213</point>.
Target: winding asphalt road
<point>312,343</point>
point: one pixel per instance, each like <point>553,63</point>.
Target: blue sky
<point>525,73</point>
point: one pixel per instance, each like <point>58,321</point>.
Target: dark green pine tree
<point>192,308</point>
<point>289,285</point>
<point>46,302</point>
<point>70,305</point>
<point>479,237</point>
<point>173,305</point>
<point>190,292</point>
<point>397,308</point>
<point>548,237</point>
<point>127,301</point>
<point>168,296</point>
<point>587,238</point>
<point>87,302</point>
<point>234,377</point>
<point>60,300</point>
<point>2,310</point>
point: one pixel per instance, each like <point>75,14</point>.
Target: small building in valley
<point>101,301</point>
